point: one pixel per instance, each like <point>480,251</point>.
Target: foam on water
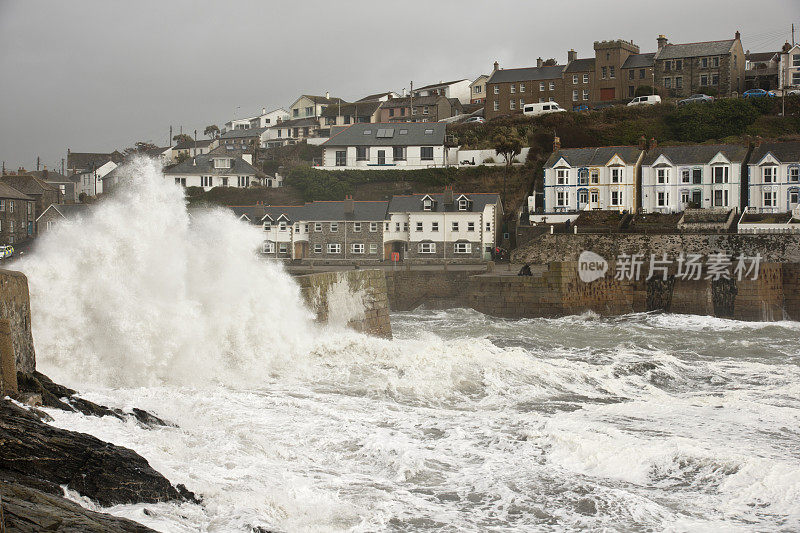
<point>461,423</point>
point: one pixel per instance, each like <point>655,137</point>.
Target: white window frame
<point>427,248</point>
<point>334,248</point>
<point>357,248</point>
<point>462,248</point>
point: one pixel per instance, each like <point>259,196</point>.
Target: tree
<point>550,63</point>
<point>508,143</point>
<point>212,131</point>
<point>182,138</point>
<point>644,90</point>
<point>138,148</point>
<point>183,156</point>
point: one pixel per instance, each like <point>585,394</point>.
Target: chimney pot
<point>496,66</point>
<point>572,55</point>
<point>556,143</point>
<point>653,143</point>
<point>662,41</point>
<point>539,62</point>
<point>737,35</point>
<point>263,110</point>
<point>327,94</point>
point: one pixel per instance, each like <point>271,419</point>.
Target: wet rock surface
<point>29,510</point>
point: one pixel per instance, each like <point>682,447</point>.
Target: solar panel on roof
<point>385,133</point>
<point>403,132</point>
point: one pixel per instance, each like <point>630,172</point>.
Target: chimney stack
<point>349,205</point>
<point>572,55</point>
<point>539,62</point>
<point>643,143</point>
<point>556,143</point>
<point>448,195</point>
<point>404,92</point>
<point>327,94</point>
<point>653,143</point>
<point>662,41</point>
<point>758,141</point>
<point>263,110</point>
<point>496,66</point>
<point>737,35</point>
<point>786,47</point>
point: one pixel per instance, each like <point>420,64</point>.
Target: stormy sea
<point>462,422</point>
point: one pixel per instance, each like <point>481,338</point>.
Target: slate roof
<point>322,99</point>
<point>297,122</point>
<point>413,202</point>
<point>761,56</point>
<point>321,211</point>
<point>53,177</point>
<point>201,143</point>
<point>155,152</point>
<point>67,210</point>
<point>708,48</point>
<point>639,60</point>
<point>440,84</point>
<point>696,154</point>
<point>205,167</point>
<point>786,152</point>
<point>86,160</point>
<point>28,184</point>
<point>580,65</point>
<point>526,74</point>
<point>418,100</point>
<point>373,97</point>
<point>367,135</point>
<point>593,157</point>
<point>362,108</point>
<point>9,192</point>
<point>243,134</point>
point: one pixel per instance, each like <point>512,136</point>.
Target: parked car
<point>542,108</point>
<point>697,99</point>
<point>6,251</point>
<point>757,93</point>
<point>793,92</point>
<point>475,120</point>
<point>582,107</point>
<point>651,99</point>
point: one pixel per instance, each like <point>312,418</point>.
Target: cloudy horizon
<point>94,76</point>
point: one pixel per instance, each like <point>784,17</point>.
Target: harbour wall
<point>15,306</point>
<point>355,298</point>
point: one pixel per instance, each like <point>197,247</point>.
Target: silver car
<point>697,99</point>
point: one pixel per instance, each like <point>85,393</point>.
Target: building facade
<point>17,215</point>
<point>508,90</point>
<point>789,67</point>
<point>209,171</point>
<point>477,89</point>
<point>774,177</point>
<point>458,89</point>
<point>419,109</point>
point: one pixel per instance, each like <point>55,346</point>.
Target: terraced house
<point>774,177</point>
<point>675,178</point>
<point>508,90</point>
<point>579,179</point>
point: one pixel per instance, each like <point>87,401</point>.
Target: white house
<point>445,225</point>
<point>379,97</point>
<point>264,120</point>
<point>578,179</point>
<point>243,139</point>
<point>209,171</point>
<point>675,178</point>
<point>91,180</point>
<point>308,105</point>
<point>450,89</point>
<point>774,177</point>
<point>789,67</point>
<point>404,146</point>
<point>193,148</point>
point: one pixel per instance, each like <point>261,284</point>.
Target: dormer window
<point>267,225</point>
<point>463,204</point>
<point>427,204</point>
<point>222,162</point>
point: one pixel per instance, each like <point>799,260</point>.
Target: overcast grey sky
<point>97,75</point>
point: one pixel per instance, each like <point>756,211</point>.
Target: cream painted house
<point>774,178</point>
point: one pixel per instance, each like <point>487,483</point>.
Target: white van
<point>541,108</point>
<point>652,99</point>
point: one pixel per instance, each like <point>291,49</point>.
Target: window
<point>434,226</point>
<point>715,79</point>
<point>427,248</point>
<point>574,79</point>
<point>611,72</point>
<point>603,71</point>
<point>341,158</point>
<point>585,78</point>
<point>399,153</point>
<point>283,248</point>
<point>317,248</point>
<point>667,66</point>
<point>595,196</point>
<point>574,96</point>
<point>334,227</point>
<point>641,73</point>
<point>678,82</point>
<point>296,112</point>
<point>373,248</point>
<point>522,87</point>
<point>716,62</point>
<point>362,152</point>
<point>454,226</point>
<point>583,177</point>
<point>405,226</point>
<point>426,153</point>
<point>357,248</point>
<point>679,64</point>
<point>552,86</point>
<point>267,225</point>
<point>334,248</point>
<point>419,226</point>
<point>720,198</point>
<point>561,198</point>
<point>631,74</point>
<point>562,175</point>
<point>796,60</point>
<point>770,199</point>
<point>356,227</point>
<point>462,248</point>
<point>512,104</point>
<point>720,174</point>
<point>616,198</point>
<point>11,210</point>
<point>794,197</point>
<point>541,86</point>
<point>2,205</point>
<point>427,204</point>
<point>373,227</point>
<point>795,78</point>
<point>496,89</point>
<point>425,110</point>
<point>488,226</point>
<point>317,226</point>
<point>463,204</point>
<point>685,198</point>
<point>224,182</point>
<point>268,247</point>
<point>697,176</point>
<point>770,174</point>
<point>476,89</point>
<point>662,175</point>
<point>243,181</point>
<point>521,102</point>
<point>309,111</point>
<point>704,62</point>
<point>220,162</point>
<point>496,105</point>
<point>668,83</point>
<point>205,181</point>
<point>585,94</point>
<point>686,175</point>
<point>391,110</point>
<point>513,88</point>
<point>308,228</point>
<point>704,80</point>
<point>595,176</point>
<point>662,198</point>
<point>616,175</point>
<point>794,172</point>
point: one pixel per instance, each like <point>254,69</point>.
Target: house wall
<point>784,189</point>
<point>789,68</point>
<point>650,188</point>
<point>413,158</point>
<point>217,180</point>
<point>731,72</point>
<point>345,235</point>
<point>477,90</point>
<point>610,56</point>
<point>17,220</point>
<point>627,188</point>
<point>642,76</point>
<point>533,92</point>
<point>585,82</point>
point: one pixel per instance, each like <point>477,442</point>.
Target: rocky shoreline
<point>38,460</point>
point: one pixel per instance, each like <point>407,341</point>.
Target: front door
<point>381,157</point>
<point>583,198</point>
<point>697,198</point>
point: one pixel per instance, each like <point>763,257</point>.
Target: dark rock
<point>25,509</point>
<point>44,457</point>
<point>586,506</point>
<point>61,397</point>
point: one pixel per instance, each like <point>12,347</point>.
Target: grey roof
<point>708,48</point>
<point>321,211</point>
<point>243,133</point>
<point>52,177</point>
<point>639,60</point>
<point>413,202</point>
<point>391,134</point>
<point>9,192</point>
<point>598,156</point>
<point>786,152</point>
<point>696,154</point>
<point>67,210</point>
<point>89,160</point>
<point>440,84</point>
<point>322,100</point>
<point>376,96</point>
<point>761,56</point>
<point>155,152</point>
<point>526,74</point>
<point>205,166</point>
<point>297,123</point>
<point>27,184</point>
<point>580,65</point>
<point>201,143</point>
<point>418,101</point>
<point>362,108</point>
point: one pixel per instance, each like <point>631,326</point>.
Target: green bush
<point>724,118</point>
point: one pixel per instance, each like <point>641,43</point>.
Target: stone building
<point>431,108</point>
<point>508,90</point>
<point>44,194</point>
<point>713,67</point>
<point>58,213</point>
<point>17,215</point>
<point>609,82</point>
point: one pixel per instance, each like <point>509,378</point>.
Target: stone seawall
<point>408,289</point>
<point>355,298</point>
<point>567,247</point>
<point>15,305</point>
